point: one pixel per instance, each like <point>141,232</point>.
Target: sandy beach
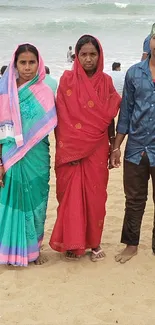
<point>82,292</point>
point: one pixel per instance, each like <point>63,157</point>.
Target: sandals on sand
<point>71,256</point>
<point>97,256</point>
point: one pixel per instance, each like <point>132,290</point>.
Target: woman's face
<point>88,57</point>
<point>27,66</point>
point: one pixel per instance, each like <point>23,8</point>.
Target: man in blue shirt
<point>137,119</point>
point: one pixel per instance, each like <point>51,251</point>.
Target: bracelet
<point>116,149</point>
<point>112,137</point>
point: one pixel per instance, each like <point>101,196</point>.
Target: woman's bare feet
<point>126,254</point>
<point>97,254</point>
<point>41,259</point>
<point>70,255</point>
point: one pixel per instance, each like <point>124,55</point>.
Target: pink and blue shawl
<point>36,96</point>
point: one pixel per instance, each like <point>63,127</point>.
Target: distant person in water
<point>69,54</point>
<point>146,46</point>
<point>73,57</point>
<point>51,82</point>
<point>116,66</point>
<point>3,68</point>
<point>118,77</point>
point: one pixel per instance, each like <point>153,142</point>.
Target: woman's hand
<point>115,158</point>
<point>2,172</point>
<point>110,152</point>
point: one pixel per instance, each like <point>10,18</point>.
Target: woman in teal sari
<point>27,116</point>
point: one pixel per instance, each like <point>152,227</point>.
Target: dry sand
<point>82,292</point>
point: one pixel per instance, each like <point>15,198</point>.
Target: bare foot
<point>71,256</point>
<point>41,259</point>
<point>97,254</point>
<point>126,254</point>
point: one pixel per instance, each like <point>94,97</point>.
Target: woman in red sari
<point>87,103</point>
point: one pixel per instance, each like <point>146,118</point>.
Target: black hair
<point>26,48</point>
<point>73,56</point>
<point>47,70</point>
<point>3,68</point>
<point>87,39</point>
<point>116,65</point>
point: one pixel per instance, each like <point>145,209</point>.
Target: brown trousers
<point>136,179</point>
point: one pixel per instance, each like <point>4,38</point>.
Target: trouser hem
<point>129,243</point>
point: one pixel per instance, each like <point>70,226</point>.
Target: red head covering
<point>95,79</point>
<point>86,107</point>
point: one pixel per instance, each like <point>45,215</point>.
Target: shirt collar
<point>144,65</point>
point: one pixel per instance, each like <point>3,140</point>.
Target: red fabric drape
<point>85,108</point>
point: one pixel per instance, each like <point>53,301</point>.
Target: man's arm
<point>125,114</point>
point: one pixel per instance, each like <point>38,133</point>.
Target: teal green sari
<point>23,203</point>
<point>23,200</point>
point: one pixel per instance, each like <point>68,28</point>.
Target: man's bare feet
<point>126,254</point>
<point>71,256</point>
<point>97,254</point>
<point>41,259</point>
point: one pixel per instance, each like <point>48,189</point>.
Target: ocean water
<point>53,25</point>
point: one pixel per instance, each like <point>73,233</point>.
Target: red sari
<point>85,108</point>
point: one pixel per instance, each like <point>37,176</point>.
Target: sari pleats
<point>23,203</point>
<point>81,193</point>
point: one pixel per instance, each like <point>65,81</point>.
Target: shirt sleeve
<point>127,105</point>
<point>146,45</point>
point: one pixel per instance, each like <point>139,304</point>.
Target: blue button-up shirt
<point>137,113</point>
<point>146,45</point>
